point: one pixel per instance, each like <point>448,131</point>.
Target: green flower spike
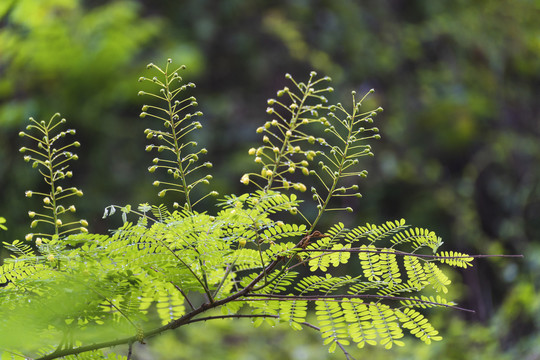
<point>174,112</point>
<point>51,155</point>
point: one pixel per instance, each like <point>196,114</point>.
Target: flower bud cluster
<point>174,113</point>
<point>54,162</point>
<point>288,144</point>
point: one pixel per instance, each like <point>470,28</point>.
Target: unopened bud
<point>245,179</point>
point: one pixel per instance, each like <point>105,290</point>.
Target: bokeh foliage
<point>458,80</point>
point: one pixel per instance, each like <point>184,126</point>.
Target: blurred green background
<point>459,81</point>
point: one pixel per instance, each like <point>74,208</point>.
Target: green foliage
<point>259,256</point>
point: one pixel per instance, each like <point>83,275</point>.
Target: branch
<point>380,251</point>
<point>265,297</point>
<point>396,252</point>
<point>232,316</point>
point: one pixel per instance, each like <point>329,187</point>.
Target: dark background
<point>460,153</point>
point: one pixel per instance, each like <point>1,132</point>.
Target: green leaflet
<point>332,323</point>
<point>360,327</point>
<point>169,303</point>
<point>335,259</point>
<point>293,312</point>
<point>418,325</point>
<point>454,258</point>
<point>369,260</point>
<point>418,237</point>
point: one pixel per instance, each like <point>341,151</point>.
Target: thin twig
<point>402,253</point>
<point>184,295</point>
<point>339,298</point>
<point>345,352</point>
<point>396,252</point>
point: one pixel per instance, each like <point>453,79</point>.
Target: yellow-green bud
<point>252,151</point>
<point>50,257</point>
<point>245,179</point>
<point>28,237</point>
